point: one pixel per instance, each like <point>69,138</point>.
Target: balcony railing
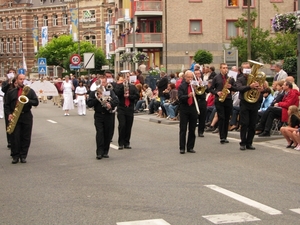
<point>141,38</point>
<point>148,6</point>
<point>120,14</point>
<point>120,43</point>
<point>112,47</point>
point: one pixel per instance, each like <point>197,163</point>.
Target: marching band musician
<point>127,94</point>
<point>224,109</point>
<point>21,136</point>
<point>188,114</point>
<point>103,117</point>
<point>248,111</point>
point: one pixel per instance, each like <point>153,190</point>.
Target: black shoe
<point>223,141</point>
<point>264,134</point>
<point>226,141</point>
<point>15,160</point>
<point>200,135</point>
<point>191,151</point>
<point>23,160</point>
<point>105,156</point>
<point>242,147</point>
<point>127,147</point>
<point>182,151</point>
<point>120,147</point>
<point>210,129</point>
<point>290,145</point>
<point>258,132</point>
<point>250,147</point>
<point>99,157</point>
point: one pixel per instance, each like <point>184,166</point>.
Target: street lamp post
<point>249,29</point>
<point>78,35</point>
<point>298,47</point>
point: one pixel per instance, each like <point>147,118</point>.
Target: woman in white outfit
<point>67,87</point>
<point>81,98</point>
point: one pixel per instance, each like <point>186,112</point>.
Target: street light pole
<point>298,50</point>
<point>78,34</point>
<point>249,30</point>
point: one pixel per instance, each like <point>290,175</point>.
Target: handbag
<point>176,102</point>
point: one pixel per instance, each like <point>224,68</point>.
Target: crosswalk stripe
<point>51,121</point>
<point>231,218</point>
<point>114,146</point>
<point>296,210</point>
<point>145,222</point>
<point>245,200</point>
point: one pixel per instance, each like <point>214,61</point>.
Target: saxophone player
<point>21,135</point>
<point>220,86</point>
<point>248,110</point>
<point>103,117</point>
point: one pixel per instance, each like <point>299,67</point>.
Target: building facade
<point>171,31</point>
<point>22,21</point>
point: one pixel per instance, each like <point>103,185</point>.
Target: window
<point>65,19</point>
<point>7,23</point>
<point>231,30</point>
<point>51,1</point>
<point>1,24</point>
<point>35,22</point>
<point>20,44</point>
<point>13,23</point>
<point>14,45</point>
<point>45,20</point>
<point>55,20</point>
<point>7,45</point>
<point>20,21</point>
<point>14,64</point>
<point>1,45</point>
<point>245,3</point>
<point>276,1</point>
<point>91,39</point>
<point>232,3</point>
<point>195,26</point>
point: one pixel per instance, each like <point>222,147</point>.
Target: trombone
<point>194,95</point>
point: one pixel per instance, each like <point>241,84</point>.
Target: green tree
<point>261,43</point>
<point>203,57</point>
<point>59,50</point>
<point>284,45</point>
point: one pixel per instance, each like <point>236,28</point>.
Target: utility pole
<point>249,29</point>
<point>78,34</point>
<point>298,49</point>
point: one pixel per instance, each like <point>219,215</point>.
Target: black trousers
<point>6,125</point>
<point>267,118</point>
<point>202,116</point>
<point>125,118</point>
<point>21,137</point>
<point>188,118</point>
<point>248,118</point>
<point>104,130</point>
<point>224,110</point>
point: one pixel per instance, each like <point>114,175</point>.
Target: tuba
<point>253,94</point>
<point>22,100</point>
<point>225,91</point>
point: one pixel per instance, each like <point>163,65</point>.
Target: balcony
<point>120,16</point>
<point>112,24</point>
<point>112,48</point>
<point>145,40</point>
<point>120,45</point>
<point>148,8</point>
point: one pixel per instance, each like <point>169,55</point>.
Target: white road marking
<point>231,218</point>
<point>51,121</point>
<point>114,146</point>
<point>245,200</point>
<point>296,210</point>
<point>145,222</point>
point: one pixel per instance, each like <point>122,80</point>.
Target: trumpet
<point>103,99</point>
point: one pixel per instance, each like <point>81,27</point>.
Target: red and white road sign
<point>75,59</point>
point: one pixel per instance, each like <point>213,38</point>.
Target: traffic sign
<point>75,59</point>
<point>21,71</point>
<point>75,67</point>
<point>42,62</point>
<point>42,69</point>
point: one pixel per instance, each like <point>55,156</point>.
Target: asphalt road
<point>151,184</point>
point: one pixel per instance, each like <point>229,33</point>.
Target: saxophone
<point>22,100</point>
<point>225,91</point>
<point>253,94</point>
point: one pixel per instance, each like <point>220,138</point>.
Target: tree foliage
<point>59,50</point>
<point>263,46</point>
<point>203,57</point>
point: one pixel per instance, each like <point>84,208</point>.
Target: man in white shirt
<point>280,73</point>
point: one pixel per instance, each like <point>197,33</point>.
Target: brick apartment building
<point>18,18</point>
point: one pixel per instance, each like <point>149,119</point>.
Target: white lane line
<point>145,222</point>
<point>231,218</point>
<point>114,146</point>
<point>51,121</point>
<point>245,200</point>
<point>296,210</point>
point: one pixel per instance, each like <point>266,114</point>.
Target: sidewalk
<point>274,140</point>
